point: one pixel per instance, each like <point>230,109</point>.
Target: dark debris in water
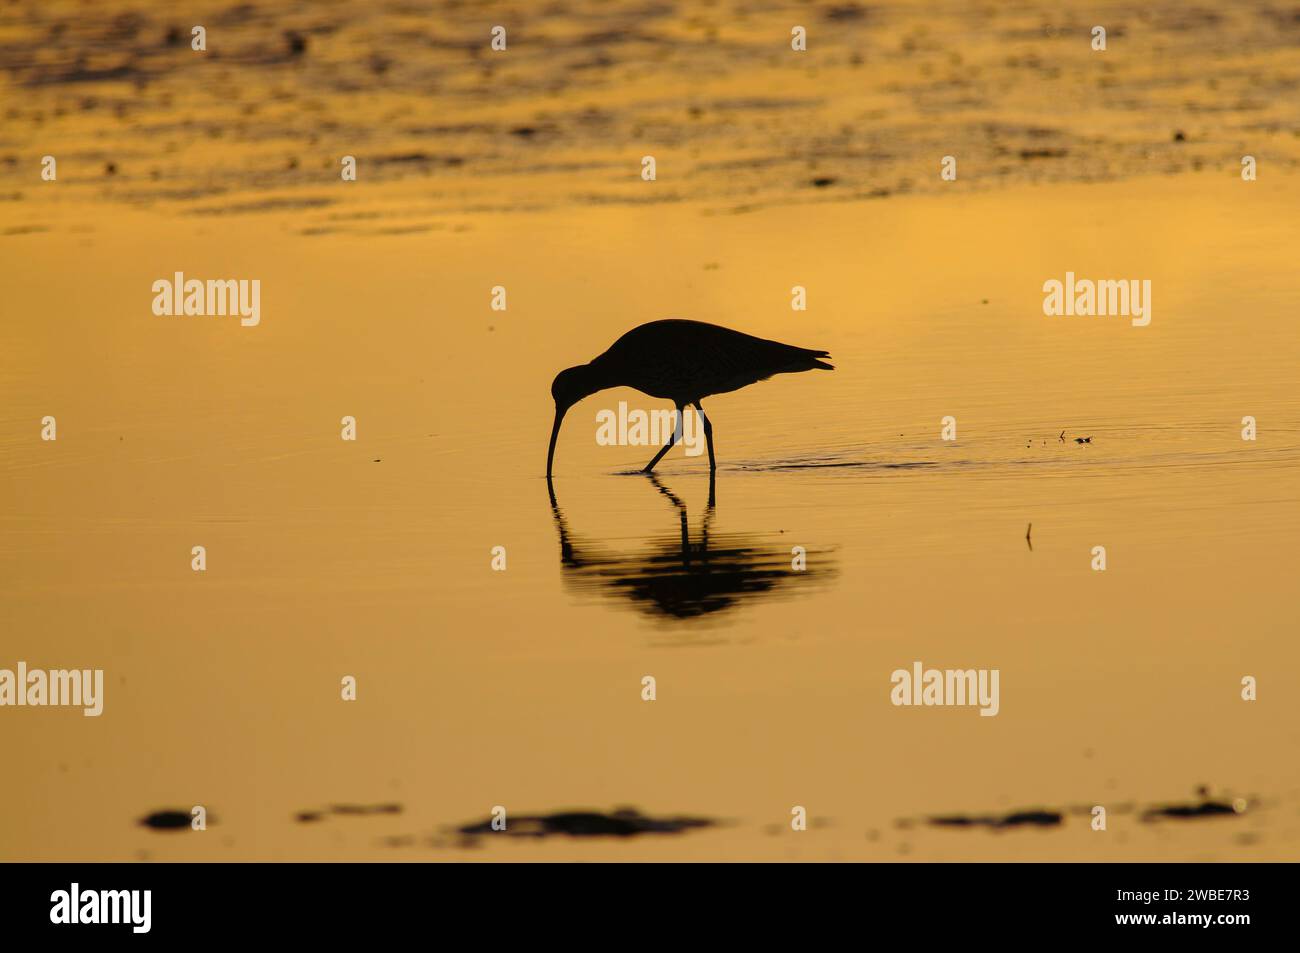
<point>295,42</point>
<point>623,822</point>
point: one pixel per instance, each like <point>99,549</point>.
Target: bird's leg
<point>708,434</point>
<point>658,485</point>
<point>677,435</point>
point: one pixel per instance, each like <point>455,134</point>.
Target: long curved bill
<point>555,434</point>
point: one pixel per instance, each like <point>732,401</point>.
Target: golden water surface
<point>522,688</point>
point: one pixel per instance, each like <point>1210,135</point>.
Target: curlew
<point>682,361</point>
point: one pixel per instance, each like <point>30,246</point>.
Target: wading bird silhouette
<point>682,361</point>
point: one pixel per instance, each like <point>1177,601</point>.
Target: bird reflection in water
<point>685,575</point>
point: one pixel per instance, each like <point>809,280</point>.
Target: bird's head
<point>570,386</point>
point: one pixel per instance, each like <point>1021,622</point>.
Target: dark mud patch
<point>417,159</point>
<point>844,13</point>
<point>266,205</point>
<point>407,229</point>
<point>169,819</point>
<point>1196,810</point>
<point>140,63</point>
<point>1032,818</point>
<point>623,822</point>
<point>346,810</point>
<point>860,464</point>
<point>1202,808</point>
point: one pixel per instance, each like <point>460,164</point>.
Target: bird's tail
<point>792,360</point>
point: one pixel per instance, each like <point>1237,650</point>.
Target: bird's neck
<point>597,376</point>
